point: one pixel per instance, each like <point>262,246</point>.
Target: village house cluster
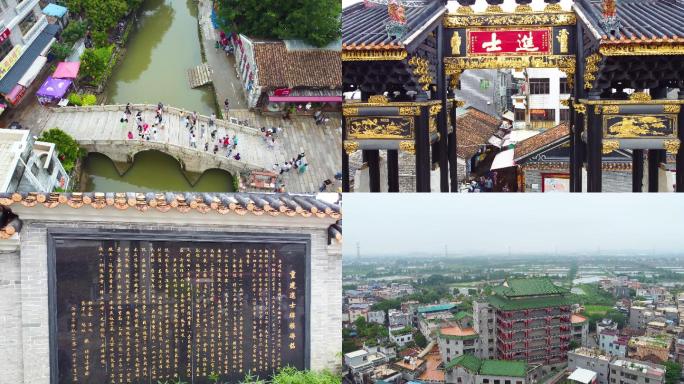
<point>515,331</point>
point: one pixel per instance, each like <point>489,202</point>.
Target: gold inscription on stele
<point>638,126</point>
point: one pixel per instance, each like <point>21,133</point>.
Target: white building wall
<point>551,100</point>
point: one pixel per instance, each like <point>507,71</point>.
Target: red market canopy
<point>67,70</point>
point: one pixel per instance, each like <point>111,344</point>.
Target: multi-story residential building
<point>533,320</point>
<point>488,90</point>
<point>537,104</point>
<point>671,313</point>
<point>605,325</point>
<point>483,323</point>
<point>592,359</point>
<point>432,317</point>
<point>580,329</point>
<point>650,347</point>
<point>611,342</point>
<point>27,165</point>
<point>655,293</point>
<point>377,317</point>
<point>410,367</point>
<point>679,349</point>
<point>358,310</point>
<point>640,316</point>
<point>398,318</point>
<point>401,336</point>
<point>628,371</point>
<point>393,291</point>
<point>469,369</point>
<point>654,328</point>
<point>25,39</point>
<point>458,338</point>
<point>354,296</point>
<point>362,361</point>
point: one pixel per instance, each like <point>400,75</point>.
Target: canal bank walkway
<point>224,76</point>
<point>321,144</point>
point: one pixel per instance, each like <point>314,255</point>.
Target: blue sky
<point>472,224</point>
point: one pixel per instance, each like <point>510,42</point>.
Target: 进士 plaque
<point>142,308</point>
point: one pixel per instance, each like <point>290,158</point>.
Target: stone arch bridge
<point>99,129</point>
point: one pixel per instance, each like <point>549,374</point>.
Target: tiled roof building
<point>474,130</point>
<point>632,51</point>
<point>366,39</point>
<point>470,369</point>
<point>533,320</point>
<point>547,156</point>
<point>281,73</point>
<point>279,67</point>
<point>205,203</point>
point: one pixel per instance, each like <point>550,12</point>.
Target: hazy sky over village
<point>472,224</point>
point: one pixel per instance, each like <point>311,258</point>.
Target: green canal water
<point>162,47</point>
<point>152,171</point>
<point>159,51</point>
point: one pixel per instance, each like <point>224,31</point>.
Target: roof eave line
<point>424,27</point>
<point>580,12</point>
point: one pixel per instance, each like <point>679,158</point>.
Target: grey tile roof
<point>222,203</point>
<point>640,20</point>
<point>364,27</point>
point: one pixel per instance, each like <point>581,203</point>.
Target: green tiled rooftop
<point>462,314</point>
<point>489,367</point>
<point>503,368</point>
<point>531,303</point>
<point>436,308</point>
<point>529,287</point>
<point>467,361</point>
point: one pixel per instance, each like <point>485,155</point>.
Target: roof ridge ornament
<point>610,22</point>
<point>396,26</point>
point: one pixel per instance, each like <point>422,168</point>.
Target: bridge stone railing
<point>151,107</point>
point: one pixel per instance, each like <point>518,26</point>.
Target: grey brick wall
<point>24,296</point>
<point>613,181</point>
<point>10,318</point>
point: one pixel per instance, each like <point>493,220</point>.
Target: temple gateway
<point>403,60</point>
<point>141,288</point>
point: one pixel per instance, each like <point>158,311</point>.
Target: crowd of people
<point>207,136</point>
<point>146,131</point>
<point>197,131</point>
<point>485,184</point>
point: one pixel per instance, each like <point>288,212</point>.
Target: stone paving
<point>224,75</point>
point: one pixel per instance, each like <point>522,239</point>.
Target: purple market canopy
<point>54,88</point>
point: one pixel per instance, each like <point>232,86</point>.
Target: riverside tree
<point>314,21</point>
<point>102,15</point>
